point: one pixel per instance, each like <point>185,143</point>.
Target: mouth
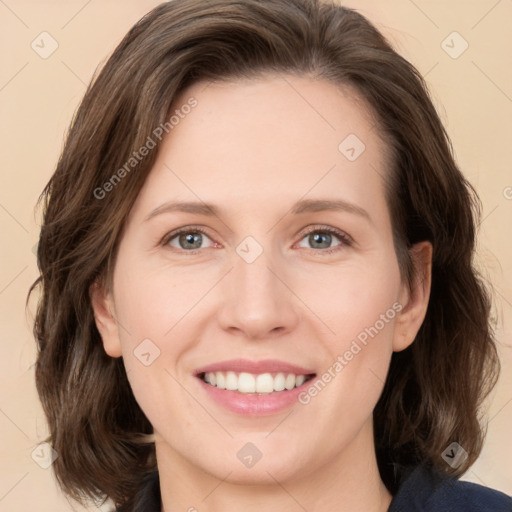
<point>253,388</point>
<point>249,383</point>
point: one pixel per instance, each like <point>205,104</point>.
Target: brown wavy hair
<point>435,388</point>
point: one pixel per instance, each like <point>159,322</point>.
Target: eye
<point>321,237</point>
<point>188,239</point>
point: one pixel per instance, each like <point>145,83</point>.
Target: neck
<point>348,482</point>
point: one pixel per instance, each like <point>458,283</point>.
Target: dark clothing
<point>420,490</point>
<point>424,490</point>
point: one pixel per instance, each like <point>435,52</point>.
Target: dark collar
<point>421,490</point>
<point>425,489</point>
<point>148,498</point>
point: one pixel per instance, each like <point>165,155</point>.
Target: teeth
<point>290,381</point>
<point>300,380</point>
<point>279,382</point>
<point>246,383</point>
<point>221,380</point>
<point>249,383</point>
<point>231,381</point>
<point>265,383</point>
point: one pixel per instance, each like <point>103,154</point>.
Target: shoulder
<point>427,490</point>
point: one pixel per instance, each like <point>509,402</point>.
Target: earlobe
<point>103,307</point>
<point>414,299</point>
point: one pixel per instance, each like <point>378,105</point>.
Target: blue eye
<point>190,239</point>
<point>187,238</point>
<point>324,236</point>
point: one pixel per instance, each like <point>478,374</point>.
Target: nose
<point>258,303</point>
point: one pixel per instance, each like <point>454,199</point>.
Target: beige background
<point>473,94</point>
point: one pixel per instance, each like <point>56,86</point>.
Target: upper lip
<point>254,367</point>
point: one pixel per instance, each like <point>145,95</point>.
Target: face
<point>289,279</point>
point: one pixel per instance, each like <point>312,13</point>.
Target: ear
<point>103,306</point>
<point>414,299</point>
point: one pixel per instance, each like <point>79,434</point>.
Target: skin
<point>254,148</point>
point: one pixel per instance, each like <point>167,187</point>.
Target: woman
<point>256,274</point>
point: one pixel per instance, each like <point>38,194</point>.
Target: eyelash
<point>345,240</point>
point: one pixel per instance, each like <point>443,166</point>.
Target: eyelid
<point>327,229</point>
<point>185,229</point>
<point>345,239</point>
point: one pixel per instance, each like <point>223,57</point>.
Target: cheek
<point>352,300</point>
<point>352,381</point>
<point>153,301</point>
<point>363,314</point>
<point>159,311</point>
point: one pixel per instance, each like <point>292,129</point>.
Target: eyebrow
<point>302,206</point>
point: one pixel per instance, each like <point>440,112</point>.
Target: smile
<point>263,383</point>
<point>253,388</point>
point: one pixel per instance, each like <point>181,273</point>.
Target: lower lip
<point>249,404</point>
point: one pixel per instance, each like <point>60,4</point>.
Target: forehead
<point>269,140</point>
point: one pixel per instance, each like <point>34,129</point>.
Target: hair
<point>434,389</point>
